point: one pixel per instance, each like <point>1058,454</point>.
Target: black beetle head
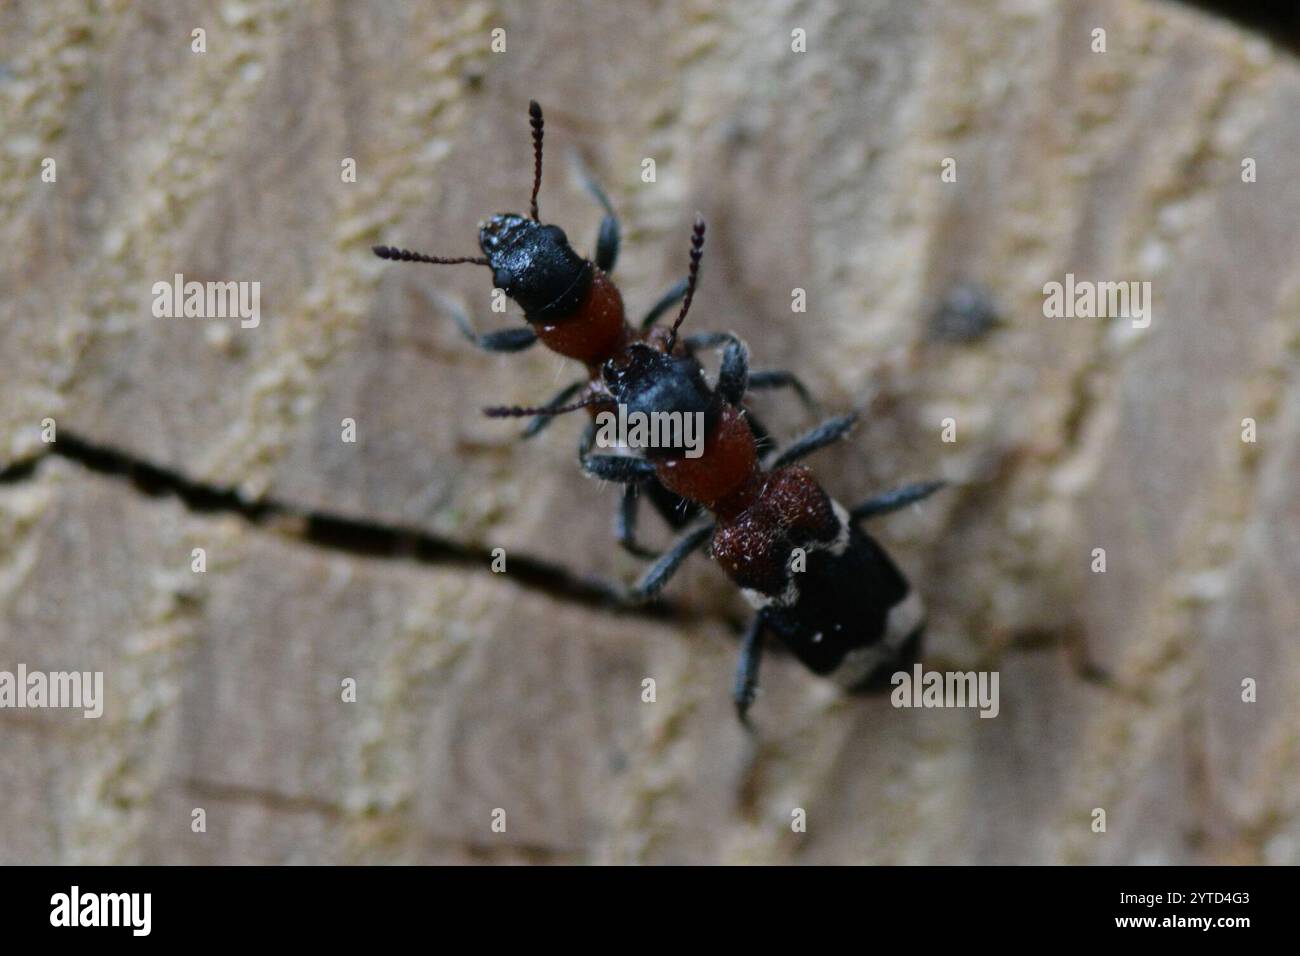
<point>651,381</point>
<point>535,265</point>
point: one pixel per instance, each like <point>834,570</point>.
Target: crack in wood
<point>336,532</point>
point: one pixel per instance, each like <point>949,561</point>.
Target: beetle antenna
<point>535,119</point>
<point>697,252</point>
<point>406,255</point>
<point>515,411</point>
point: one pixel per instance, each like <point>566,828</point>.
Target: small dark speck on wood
<point>966,314</point>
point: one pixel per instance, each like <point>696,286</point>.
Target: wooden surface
<point>817,170</point>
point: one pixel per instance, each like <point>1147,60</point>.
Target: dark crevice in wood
<point>335,532</point>
<point>375,539</point>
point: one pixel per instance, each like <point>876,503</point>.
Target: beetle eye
<point>556,233</point>
<point>503,278</point>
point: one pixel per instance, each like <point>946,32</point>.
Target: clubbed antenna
<point>406,255</point>
<point>515,411</point>
<point>535,118</point>
<point>697,253</point>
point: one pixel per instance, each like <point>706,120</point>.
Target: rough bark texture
<point>817,170</point>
